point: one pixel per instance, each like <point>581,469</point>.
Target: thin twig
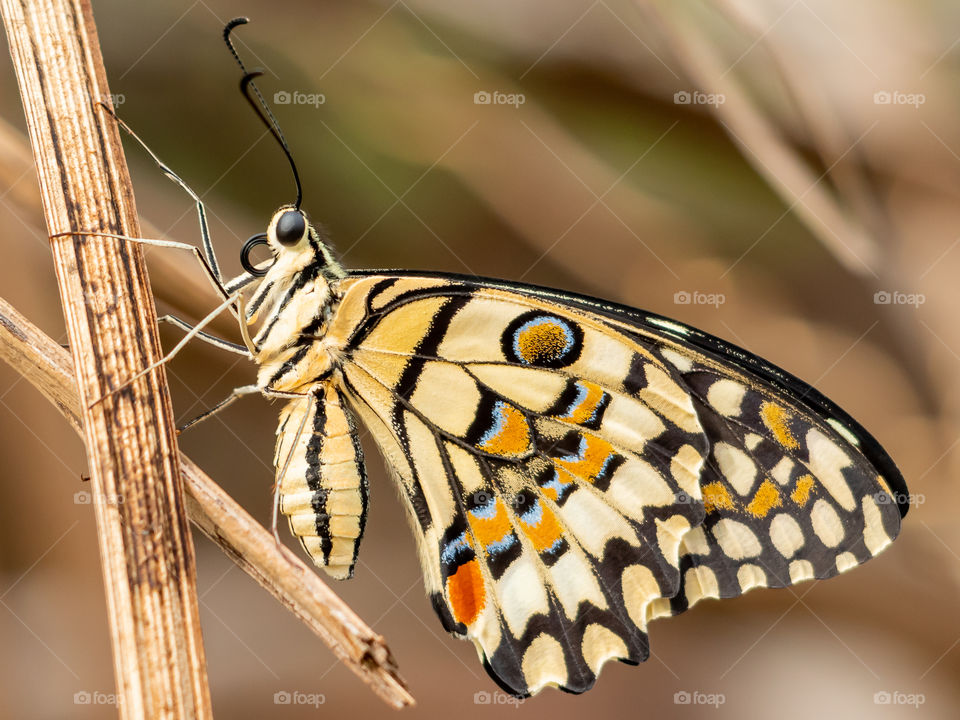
<point>47,367</point>
<point>145,545</point>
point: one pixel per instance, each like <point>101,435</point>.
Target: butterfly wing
<point>565,462</point>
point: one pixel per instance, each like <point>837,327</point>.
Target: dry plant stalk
<point>145,545</point>
<point>47,367</point>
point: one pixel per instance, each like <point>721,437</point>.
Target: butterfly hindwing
<point>572,469</point>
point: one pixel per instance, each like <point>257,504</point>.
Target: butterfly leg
<point>179,346</point>
<point>208,251</point>
<point>223,288</point>
<point>206,337</point>
<point>234,395</point>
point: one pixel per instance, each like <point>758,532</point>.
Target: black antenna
<point>259,105</point>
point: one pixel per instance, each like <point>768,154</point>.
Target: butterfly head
<point>301,260</point>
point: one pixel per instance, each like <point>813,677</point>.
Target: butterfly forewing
<point>787,498</point>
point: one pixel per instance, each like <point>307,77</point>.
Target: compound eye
<point>291,227</point>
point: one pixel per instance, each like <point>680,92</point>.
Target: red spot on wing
<point>466,592</point>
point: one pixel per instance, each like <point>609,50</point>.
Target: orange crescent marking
<point>582,412</point>
<point>545,533</point>
<point>491,530</point>
<point>595,454</point>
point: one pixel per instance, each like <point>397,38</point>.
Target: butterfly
<point>571,468</point>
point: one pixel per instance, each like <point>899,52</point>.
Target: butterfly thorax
<point>289,312</point>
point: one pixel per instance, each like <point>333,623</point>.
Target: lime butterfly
<point>571,468</point>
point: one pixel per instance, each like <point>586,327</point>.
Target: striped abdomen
<point>321,479</point>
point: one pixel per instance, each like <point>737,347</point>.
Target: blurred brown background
<point>794,167</point>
